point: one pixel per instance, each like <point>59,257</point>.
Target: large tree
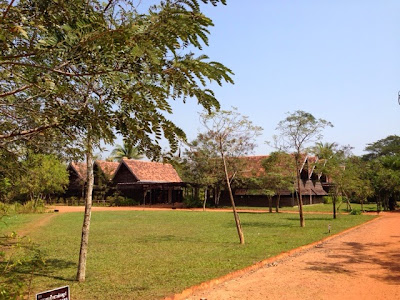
<point>296,131</point>
<point>85,70</point>
<point>384,160</point>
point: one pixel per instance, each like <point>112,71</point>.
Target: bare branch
<point>16,91</point>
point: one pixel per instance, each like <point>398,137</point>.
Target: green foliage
<point>20,259</point>
<point>28,207</point>
<point>119,200</point>
<point>356,212</point>
<point>127,150</point>
<point>280,172</point>
<point>42,175</point>
<point>76,68</point>
<point>388,146</point>
<point>191,202</point>
<point>298,129</point>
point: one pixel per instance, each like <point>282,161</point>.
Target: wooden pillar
<point>144,196</point>
<point>169,195</point>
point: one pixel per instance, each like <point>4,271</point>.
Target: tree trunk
<point>237,220</point>
<point>347,200</point>
<point>81,275</point>
<point>300,198</point>
<point>362,204</point>
<point>334,204</point>
<point>277,203</point>
<point>270,203</point>
<point>205,199</point>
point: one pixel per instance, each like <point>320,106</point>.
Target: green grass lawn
<point>148,255</point>
<point>13,222</point>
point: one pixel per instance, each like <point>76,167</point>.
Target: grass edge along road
<point>148,255</point>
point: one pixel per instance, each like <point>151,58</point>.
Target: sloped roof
<point>80,169</point>
<point>107,167</point>
<point>253,165</point>
<point>149,171</point>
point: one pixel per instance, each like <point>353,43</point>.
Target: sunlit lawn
<point>148,255</point>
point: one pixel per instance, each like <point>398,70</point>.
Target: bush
<point>190,202</point>
<point>25,208</point>
<point>356,212</point>
<point>119,200</point>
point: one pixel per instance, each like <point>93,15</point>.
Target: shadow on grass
<point>166,238</point>
<point>267,225</point>
<point>311,218</point>
<point>23,261</point>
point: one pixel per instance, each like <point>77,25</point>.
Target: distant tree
<point>388,146</point>
<point>230,135</point>
<point>384,160</point>
<point>127,150</point>
<point>280,175</point>
<point>201,165</point>
<point>296,131</point>
<point>43,175</point>
<point>385,179</point>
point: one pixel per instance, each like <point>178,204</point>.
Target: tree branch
<point>16,91</point>
<point>55,70</point>
<point>28,131</point>
<point>8,8</point>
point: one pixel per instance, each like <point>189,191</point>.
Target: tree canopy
<point>70,66</point>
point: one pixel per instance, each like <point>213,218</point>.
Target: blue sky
<point>339,60</point>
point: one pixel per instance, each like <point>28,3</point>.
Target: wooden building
<point>103,172</point>
<point>311,186</point>
<point>148,182</point>
<point>77,178</point>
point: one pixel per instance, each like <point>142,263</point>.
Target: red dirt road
<point>361,264</point>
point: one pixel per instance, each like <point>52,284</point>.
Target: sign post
<point>61,293</point>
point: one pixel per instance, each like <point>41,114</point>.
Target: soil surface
<point>361,264</point>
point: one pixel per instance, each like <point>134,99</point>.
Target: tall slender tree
<point>230,135</point>
<point>296,131</point>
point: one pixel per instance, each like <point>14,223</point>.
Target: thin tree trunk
<point>277,203</point>
<point>362,204</point>
<point>347,200</point>
<point>81,275</point>
<point>300,200</point>
<point>270,203</point>
<point>334,204</point>
<point>205,199</point>
<point>237,220</point>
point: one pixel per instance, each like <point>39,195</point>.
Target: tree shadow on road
<point>372,255</point>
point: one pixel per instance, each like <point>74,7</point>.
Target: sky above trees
<point>337,60</point>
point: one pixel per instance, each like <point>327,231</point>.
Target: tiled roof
<point>80,168</point>
<point>252,165</point>
<point>152,171</point>
<point>108,167</point>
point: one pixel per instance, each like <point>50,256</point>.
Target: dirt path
<point>31,227</point>
<point>361,264</point>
